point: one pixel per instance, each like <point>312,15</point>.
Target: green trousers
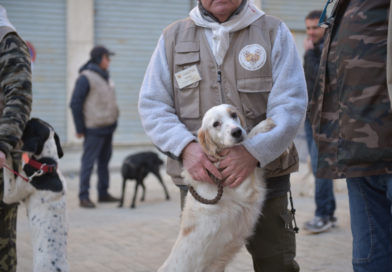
<point>7,233</point>
<point>272,246</point>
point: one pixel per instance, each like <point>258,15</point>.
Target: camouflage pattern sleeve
<point>15,90</point>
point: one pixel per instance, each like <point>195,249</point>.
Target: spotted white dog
<point>43,194</point>
<point>210,235</point>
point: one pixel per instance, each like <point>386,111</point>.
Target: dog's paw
<point>264,126</point>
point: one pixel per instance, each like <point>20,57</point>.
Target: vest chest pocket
<point>188,97</point>
<point>254,94</point>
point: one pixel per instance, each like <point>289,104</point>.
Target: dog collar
<point>46,168</point>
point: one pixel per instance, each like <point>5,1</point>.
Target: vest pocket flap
<point>185,58</point>
<point>186,47</point>
<point>254,85</point>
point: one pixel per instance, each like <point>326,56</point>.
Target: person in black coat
<point>324,217</point>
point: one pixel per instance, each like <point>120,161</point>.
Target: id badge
<point>187,76</point>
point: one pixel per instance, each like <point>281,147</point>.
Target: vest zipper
<point>220,85</point>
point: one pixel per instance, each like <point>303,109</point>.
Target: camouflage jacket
<point>350,110</point>
<point>15,90</point>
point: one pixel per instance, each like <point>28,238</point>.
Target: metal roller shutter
<point>292,12</point>
<point>131,29</point>
<point>42,23</point>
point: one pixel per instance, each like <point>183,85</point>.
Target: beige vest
<point>100,107</point>
<point>4,30</point>
<point>230,83</point>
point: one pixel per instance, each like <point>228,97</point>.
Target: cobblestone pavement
<point>111,239</point>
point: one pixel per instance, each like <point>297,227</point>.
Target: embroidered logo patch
<point>252,57</point>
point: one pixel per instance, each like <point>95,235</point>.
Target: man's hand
<point>79,135</point>
<point>2,159</point>
<point>197,163</point>
<point>237,165</point>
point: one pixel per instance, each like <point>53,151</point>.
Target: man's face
<point>221,9</point>
<point>105,62</point>
<point>313,31</point>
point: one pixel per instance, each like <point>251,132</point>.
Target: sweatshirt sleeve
<point>78,97</point>
<point>156,107</point>
<point>287,101</point>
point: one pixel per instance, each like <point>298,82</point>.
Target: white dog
<point>210,235</point>
<point>43,195</point>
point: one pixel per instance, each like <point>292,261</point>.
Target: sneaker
<point>318,225</point>
<point>108,198</point>
<point>86,203</point>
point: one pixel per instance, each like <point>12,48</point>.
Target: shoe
<point>333,221</point>
<point>86,203</point>
<point>318,225</point>
<point>108,198</point>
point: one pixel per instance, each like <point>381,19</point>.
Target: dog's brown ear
<point>206,143</point>
<point>242,119</point>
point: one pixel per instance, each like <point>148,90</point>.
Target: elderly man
<point>231,52</point>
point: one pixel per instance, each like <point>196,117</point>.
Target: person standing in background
<point>15,108</point>
<point>324,196</point>
<point>352,122</point>
<point>95,113</point>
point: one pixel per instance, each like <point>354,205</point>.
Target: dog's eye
<point>234,115</point>
<point>216,124</point>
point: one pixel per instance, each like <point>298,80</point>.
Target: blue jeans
<point>324,196</point>
<point>370,201</point>
<point>95,148</point>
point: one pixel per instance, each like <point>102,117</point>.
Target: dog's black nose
<point>236,133</point>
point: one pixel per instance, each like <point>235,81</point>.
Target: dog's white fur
<point>46,211</point>
<point>210,235</point>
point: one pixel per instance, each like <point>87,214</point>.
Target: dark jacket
<point>78,97</point>
<point>350,110</point>
<point>311,66</point>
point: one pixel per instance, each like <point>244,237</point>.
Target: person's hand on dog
<point>236,165</point>
<point>79,135</point>
<point>197,163</point>
<point>2,159</point>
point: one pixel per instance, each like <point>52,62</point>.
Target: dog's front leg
<point>144,191</point>
<point>122,193</point>
<point>263,126</point>
<point>156,173</point>
<point>134,195</point>
<point>46,211</point>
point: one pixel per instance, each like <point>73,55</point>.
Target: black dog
<point>137,167</point>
